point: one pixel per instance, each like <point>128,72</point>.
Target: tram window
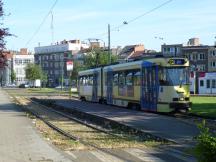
<point>162,76</point>
<point>86,81</point>
<point>83,80</point>
<point>121,79</point>
<point>115,79</point>
<point>80,80</point>
<point>137,78</point>
<point>129,79</point>
<point>90,80</point>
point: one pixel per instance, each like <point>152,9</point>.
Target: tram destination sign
<point>177,61</point>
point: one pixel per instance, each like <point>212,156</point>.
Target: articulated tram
<point>157,84</point>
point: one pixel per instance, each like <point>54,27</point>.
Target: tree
<point>43,79</point>
<point>77,67</point>
<point>98,57</point>
<point>33,72</point>
<point>3,31</point>
<point>13,76</point>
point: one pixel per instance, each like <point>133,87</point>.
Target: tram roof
<point>135,65</point>
<point>89,71</point>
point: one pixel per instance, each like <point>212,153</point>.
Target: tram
<point>156,85</point>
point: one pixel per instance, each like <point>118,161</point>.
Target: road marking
<point>105,157</point>
<point>143,155</point>
<point>70,153</point>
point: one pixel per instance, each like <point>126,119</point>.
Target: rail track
<point>64,124</point>
<point>184,116</point>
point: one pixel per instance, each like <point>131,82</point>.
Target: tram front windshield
<point>174,76</point>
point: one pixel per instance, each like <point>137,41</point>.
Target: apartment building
<point>53,59</point>
<point>212,59</point>
<point>172,50</point>
<point>20,60</point>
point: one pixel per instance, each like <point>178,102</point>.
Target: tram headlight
<point>181,99</point>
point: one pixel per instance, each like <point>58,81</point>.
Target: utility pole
<point>52,28</point>
<point>62,72</point>
<point>109,52</point>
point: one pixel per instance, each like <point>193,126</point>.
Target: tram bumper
<point>180,105</point>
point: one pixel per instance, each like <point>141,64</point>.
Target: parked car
<point>23,86</point>
<point>11,86</point>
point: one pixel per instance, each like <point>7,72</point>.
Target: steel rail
<point>66,134</point>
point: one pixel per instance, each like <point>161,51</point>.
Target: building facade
<point>5,68</point>
<point>198,56</point>
<point>53,60</point>
<point>172,50</point>
<point>212,59</point>
<point>19,62</point>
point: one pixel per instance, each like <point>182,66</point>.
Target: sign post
<point>70,69</point>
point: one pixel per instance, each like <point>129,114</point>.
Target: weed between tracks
<point>100,139</point>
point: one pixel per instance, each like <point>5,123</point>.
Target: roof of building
<point>127,50</point>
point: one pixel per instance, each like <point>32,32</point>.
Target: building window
<point>201,56</point>
<point>208,84</point>
<point>213,83</point>
<point>201,83</point>
<point>213,53</point>
<point>56,64</point>
<point>213,64</point>
<point>201,67</point>
<point>172,50</point>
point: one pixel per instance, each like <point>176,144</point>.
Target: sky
<point>175,22</point>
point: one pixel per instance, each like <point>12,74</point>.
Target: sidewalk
<point>19,141</point>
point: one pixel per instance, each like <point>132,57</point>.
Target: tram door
<point>109,82</point>
<point>95,87</point>
<point>150,86</point>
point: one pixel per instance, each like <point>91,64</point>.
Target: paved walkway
<point>159,125</point>
<point>19,141</point>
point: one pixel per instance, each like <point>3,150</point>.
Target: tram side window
<point>137,78</point>
<point>90,80</point>
<point>86,81</point>
<point>83,80</point>
<point>162,76</point>
<point>115,79</point>
<point>129,79</point>
<point>121,79</point>
<point>80,80</point>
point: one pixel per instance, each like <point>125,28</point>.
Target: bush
<point>205,150</point>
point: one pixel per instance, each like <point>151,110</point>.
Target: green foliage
<point>34,72</point>
<point>4,32</point>
<point>98,57</point>
<point>76,68</point>
<point>205,150</point>
<point>13,76</point>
